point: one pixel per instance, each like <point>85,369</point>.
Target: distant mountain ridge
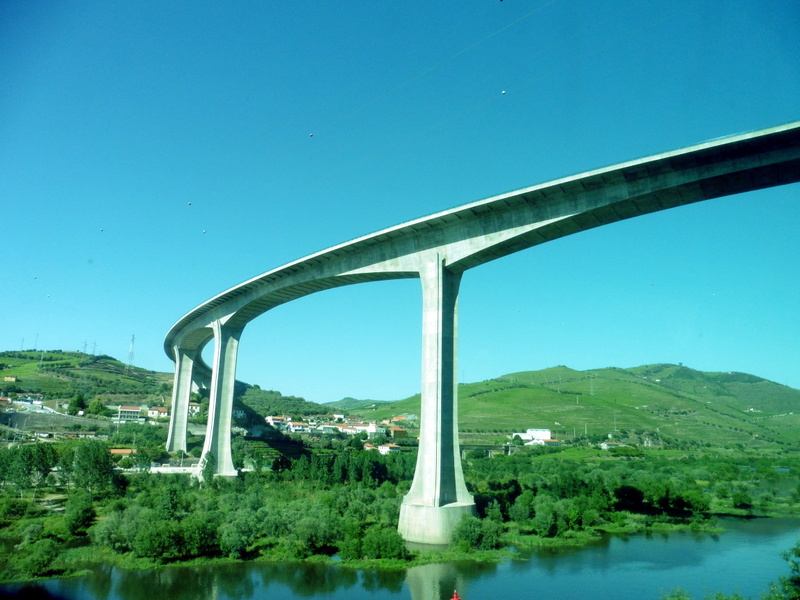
<point>354,404</point>
<point>654,402</point>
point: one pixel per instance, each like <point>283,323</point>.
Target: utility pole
<point>130,355</point>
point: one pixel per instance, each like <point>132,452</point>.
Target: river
<point>744,559</point>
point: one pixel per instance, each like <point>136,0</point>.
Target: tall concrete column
<point>220,408</point>
<point>181,392</point>
<point>438,497</point>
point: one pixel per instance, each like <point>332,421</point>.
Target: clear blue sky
<point>155,154</point>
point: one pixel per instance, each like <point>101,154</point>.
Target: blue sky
<point>155,154</point>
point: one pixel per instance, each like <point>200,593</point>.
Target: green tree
<point>491,532</point>
<point>467,533</point>
<point>109,532</point>
<point>494,512</point>
<point>21,468</point>
<point>79,512</point>
<point>66,464</point>
<point>383,542</point>
<point>29,465</point>
<point>96,407</point>
<point>158,539</point>
<point>199,534</point>
<point>44,458</point>
<point>788,587</point>
<point>170,501</point>
<point>237,534</point>
<point>38,559</point>
<point>77,404</point>
<point>545,522</point>
<point>522,510</point>
<point>741,499</point>
<point>207,472</point>
<point>93,467</point>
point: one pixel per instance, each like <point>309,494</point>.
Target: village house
<point>327,429</point>
<point>278,422</point>
<point>611,445</point>
<point>397,433</point>
<point>371,429</point>
<point>121,451</point>
<point>157,412</point>
<point>194,409</point>
<point>542,442</point>
<point>533,434</point>
<point>129,414</point>
<point>388,448</point>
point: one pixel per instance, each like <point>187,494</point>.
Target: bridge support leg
<point>438,497</point>
<point>181,392</point>
<point>220,408</point>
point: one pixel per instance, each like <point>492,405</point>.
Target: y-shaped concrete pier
<point>438,497</point>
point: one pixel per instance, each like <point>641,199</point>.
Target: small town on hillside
<point>333,424</point>
<point>388,431</point>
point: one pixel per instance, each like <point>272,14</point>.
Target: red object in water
<point>455,596</point>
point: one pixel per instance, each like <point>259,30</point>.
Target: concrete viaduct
<point>438,249</point>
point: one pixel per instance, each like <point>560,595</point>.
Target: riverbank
<point>343,509</point>
<point>740,563</point>
<point>77,562</point>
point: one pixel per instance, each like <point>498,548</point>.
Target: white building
<point>129,414</point>
<point>388,448</point>
<point>533,434</point>
<point>371,429</point>
<point>156,412</point>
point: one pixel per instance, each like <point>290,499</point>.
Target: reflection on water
<point>439,581</point>
<point>744,560</point>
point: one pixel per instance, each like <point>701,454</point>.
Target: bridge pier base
<point>438,497</point>
<point>432,524</point>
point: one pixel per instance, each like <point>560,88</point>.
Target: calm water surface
<point>744,559</point>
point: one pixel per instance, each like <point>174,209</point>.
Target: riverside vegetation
<point>66,505</point>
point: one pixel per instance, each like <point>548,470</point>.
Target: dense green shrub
<point>79,512</point>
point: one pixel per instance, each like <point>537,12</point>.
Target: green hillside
<point>59,375</point>
<point>651,404</point>
<point>354,405</point>
<point>659,403</point>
